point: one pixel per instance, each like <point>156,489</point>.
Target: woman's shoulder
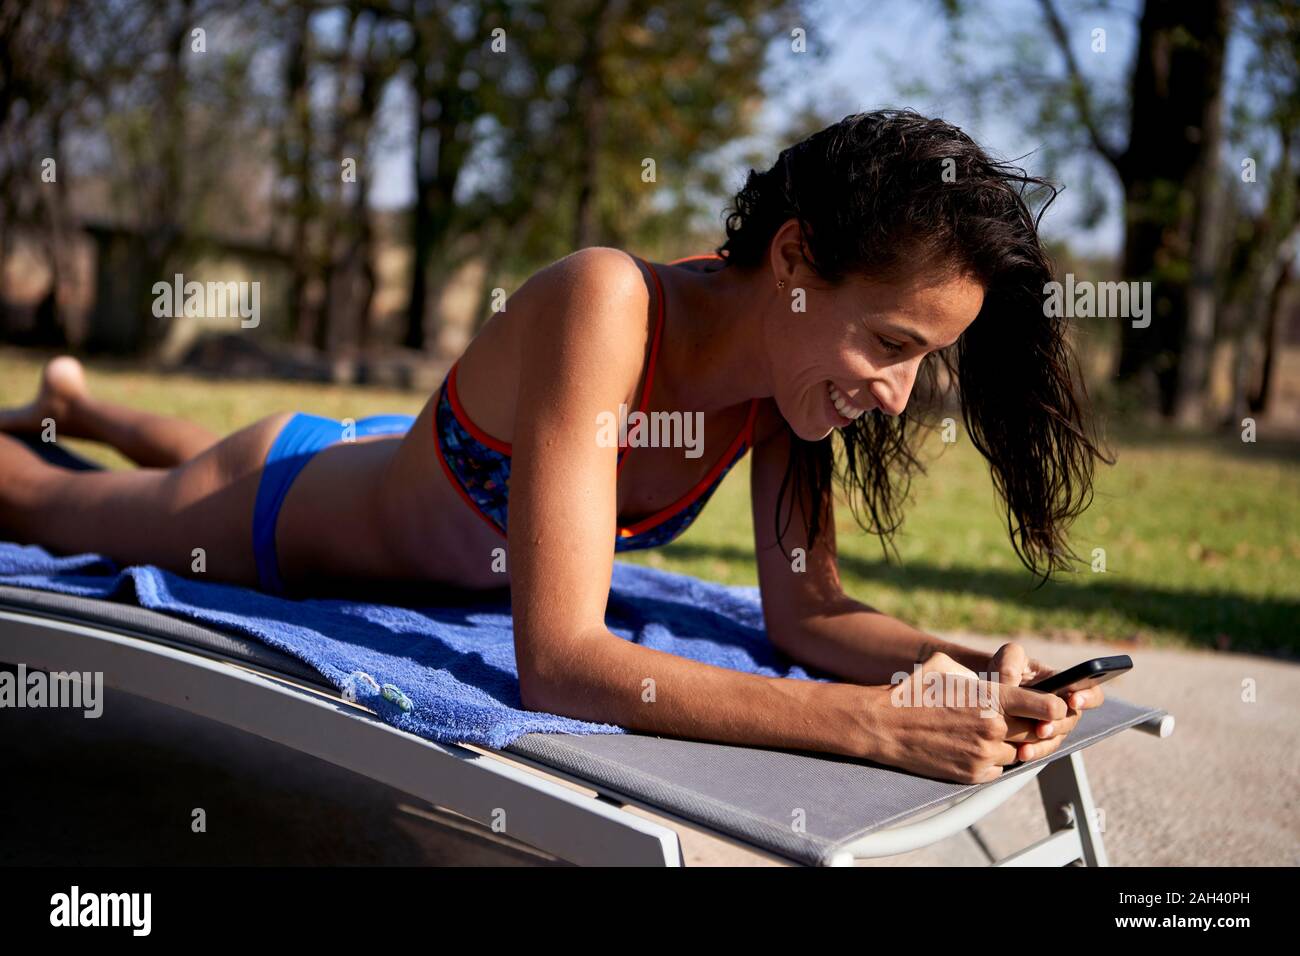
<point>595,268</point>
<point>616,280</point>
<point>596,299</point>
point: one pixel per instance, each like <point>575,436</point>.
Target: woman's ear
<point>790,254</point>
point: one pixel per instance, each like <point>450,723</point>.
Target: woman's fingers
<point>1005,754</point>
<point>1024,730</point>
<point>1020,729</point>
<point>1045,730</point>
<point>1037,723</point>
<point>1021,702</point>
<point>939,662</point>
<point>1088,698</point>
<point>1011,664</point>
<point>1040,749</point>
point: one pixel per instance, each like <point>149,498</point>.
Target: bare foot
<point>63,381</point>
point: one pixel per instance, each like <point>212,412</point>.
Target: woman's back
<point>442,492</point>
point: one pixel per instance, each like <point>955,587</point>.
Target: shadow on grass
<point>1254,625</point>
<point>1269,446</point>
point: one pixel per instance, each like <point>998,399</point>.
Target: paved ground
<point>1223,790</point>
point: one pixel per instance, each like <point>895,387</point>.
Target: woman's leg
<point>194,519</point>
<point>149,440</point>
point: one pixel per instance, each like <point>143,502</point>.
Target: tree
<point>1162,138</point>
<point>1170,174</point>
<point>1266,233</point>
<point>567,119</point>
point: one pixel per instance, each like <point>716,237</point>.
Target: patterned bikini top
<point>478,465</point>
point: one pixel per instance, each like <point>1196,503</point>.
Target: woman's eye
<point>893,348</point>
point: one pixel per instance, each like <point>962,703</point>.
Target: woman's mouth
<point>846,408</point>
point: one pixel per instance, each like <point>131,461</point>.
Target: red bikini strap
<point>706,255</point>
<point>748,430</point>
<point>659,322</point>
<point>747,433</point>
<point>655,338</point>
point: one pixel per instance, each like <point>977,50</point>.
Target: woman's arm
<point>584,359</point>
<point>811,619</point>
<point>854,641</point>
<point>808,615</point>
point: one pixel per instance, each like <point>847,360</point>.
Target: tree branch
<point>1077,89</point>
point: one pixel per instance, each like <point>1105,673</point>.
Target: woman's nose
<point>891,394</point>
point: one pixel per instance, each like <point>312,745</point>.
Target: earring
<point>780,283</point>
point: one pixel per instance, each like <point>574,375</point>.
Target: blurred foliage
<point>525,127</point>
<point>528,125</point>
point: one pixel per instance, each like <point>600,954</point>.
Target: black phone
<point>1088,674</point>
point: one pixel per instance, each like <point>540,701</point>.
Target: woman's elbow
<point>550,678</point>
<point>537,691</point>
<point>565,671</point>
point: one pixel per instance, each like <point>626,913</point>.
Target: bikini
<point>298,442</point>
<point>476,464</point>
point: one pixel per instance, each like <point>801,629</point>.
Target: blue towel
<point>451,668</point>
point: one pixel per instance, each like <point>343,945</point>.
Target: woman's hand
<point>1015,668</point>
<point>943,722</point>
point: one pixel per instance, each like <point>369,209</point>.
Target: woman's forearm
<point>604,678</point>
<point>858,643</point>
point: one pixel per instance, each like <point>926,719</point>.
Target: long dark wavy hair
<point>882,192</point>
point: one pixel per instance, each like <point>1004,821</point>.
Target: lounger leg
<point>1067,800</point>
<point>1075,838</point>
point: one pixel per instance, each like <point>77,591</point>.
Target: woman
<point>871,251</point>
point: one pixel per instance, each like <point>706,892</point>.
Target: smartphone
<point>1088,674</point>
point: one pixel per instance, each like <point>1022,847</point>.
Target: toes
<point>63,378</point>
<point>63,381</point>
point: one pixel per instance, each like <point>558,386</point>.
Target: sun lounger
<point>796,807</point>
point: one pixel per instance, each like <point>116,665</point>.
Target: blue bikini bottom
<point>300,439</point>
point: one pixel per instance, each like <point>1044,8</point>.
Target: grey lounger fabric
<point>758,795</point>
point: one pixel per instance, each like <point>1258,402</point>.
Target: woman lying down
<point>869,255</point>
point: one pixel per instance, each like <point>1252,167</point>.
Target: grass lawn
<point>1202,544</point>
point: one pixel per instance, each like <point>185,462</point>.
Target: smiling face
<point>857,347</point>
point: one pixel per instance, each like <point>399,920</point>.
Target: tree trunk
<point>1169,164</point>
<point>336,268</point>
<point>1255,341</point>
<point>297,148</point>
<point>362,250</point>
<point>1266,271</point>
<point>593,112</point>
<point>433,215</point>
<point>1188,403</point>
<point>421,226</point>
<point>1257,400</point>
<point>49,326</point>
<point>162,234</point>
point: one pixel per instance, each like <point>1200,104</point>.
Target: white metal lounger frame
<point>574,826</point>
